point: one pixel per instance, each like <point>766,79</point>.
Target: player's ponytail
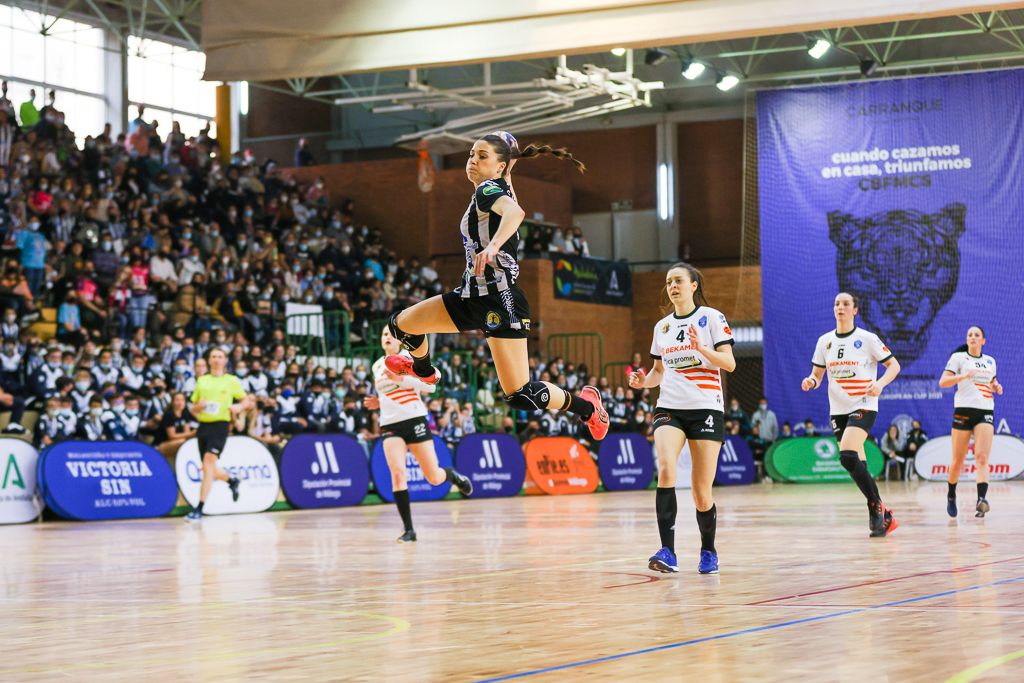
<point>536,150</point>
<point>960,349</point>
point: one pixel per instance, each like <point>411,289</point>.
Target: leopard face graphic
<point>904,266</point>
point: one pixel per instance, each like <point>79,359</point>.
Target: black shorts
<point>698,425</point>
<point>966,419</point>
<point>415,430</point>
<point>212,437</point>
<point>865,419</point>
<point>505,315</point>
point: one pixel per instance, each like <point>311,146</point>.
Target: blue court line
<point>756,629</point>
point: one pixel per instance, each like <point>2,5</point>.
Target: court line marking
<point>743,632</point>
<point>954,570</point>
<point>968,675</point>
<point>397,625</point>
<point>646,579</point>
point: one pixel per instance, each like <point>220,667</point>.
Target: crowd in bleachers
<point>153,250</point>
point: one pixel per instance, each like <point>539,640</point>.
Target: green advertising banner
<point>812,459</point>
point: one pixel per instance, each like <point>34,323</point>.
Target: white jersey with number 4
<point>851,363</point>
<point>973,392</point>
<point>399,400</point>
<point>691,382</point>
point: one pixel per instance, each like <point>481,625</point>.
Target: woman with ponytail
<point>850,356</point>
<point>974,375</point>
<point>488,298</point>
<point>691,346</point>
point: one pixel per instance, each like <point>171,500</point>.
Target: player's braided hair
<point>699,299</point>
<point>506,153</point>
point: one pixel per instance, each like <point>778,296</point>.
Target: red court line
<point>955,570</point>
<point>647,579</point>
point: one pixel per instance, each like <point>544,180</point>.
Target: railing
<point>578,348</point>
<point>616,374</point>
<point>324,334</point>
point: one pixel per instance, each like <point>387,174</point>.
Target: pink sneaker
<point>402,365</point>
<point>598,422</point>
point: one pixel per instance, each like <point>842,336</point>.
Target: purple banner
<point>493,462</point>
<point>324,470</point>
<point>907,193</point>
<point>626,462</point>
<point>419,488</point>
<point>735,463</point>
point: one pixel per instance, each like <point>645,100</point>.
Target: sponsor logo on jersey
<point>703,322</point>
<point>664,328</point>
<point>493,320</point>
<point>727,330</point>
<point>491,188</point>
<point>857,344</point>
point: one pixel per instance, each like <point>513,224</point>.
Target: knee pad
<point>530,396</point>
<point>849,460</point>
<point>410,342</point>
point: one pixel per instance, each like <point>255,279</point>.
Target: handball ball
<point>509,139</point>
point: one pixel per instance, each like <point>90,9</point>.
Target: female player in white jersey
<point>691,346</point>
<point>404,427</point>
<point>488,298</point>
<point>850,355</point>
<point>974,375</point>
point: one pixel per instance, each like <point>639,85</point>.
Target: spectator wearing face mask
<point>123,420</point>
<point>43,382</point>
<point>287,419</point>
<point>766,422</point>
<point>314,406</point>
<point>33,247</point>
<point>92,426</point>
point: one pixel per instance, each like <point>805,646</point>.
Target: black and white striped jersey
<point>479,224</point>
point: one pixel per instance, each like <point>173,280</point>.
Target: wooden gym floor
<point>538,588</point>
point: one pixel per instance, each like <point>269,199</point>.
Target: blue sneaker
<point>663,561</point>
<point>951,505</point>
<point>708,562</point>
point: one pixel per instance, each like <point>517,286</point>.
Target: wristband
<point>813,379</point>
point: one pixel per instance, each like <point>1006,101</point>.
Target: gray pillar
<point>666,179</point>
<point>115,81</point>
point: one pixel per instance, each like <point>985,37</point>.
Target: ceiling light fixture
<point>655,56</point>
<point>868,66</point>
<point>726,82</point>
<point>692,69</point>
<point>818,48</point>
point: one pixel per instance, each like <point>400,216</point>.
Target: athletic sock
<point>582,409</point>
<point>422,366</point>
<point>199,508</point>
<point>983,489</point>
<point>449,474</point>
<point>859,473</point>
<point>950,490</point>
<point>402,502</point>
<point>665,506</point>
<point>707,522</point>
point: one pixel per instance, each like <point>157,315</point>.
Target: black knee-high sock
<point>950,489</point>
<point>449,474</point>
<point>579,407</point>
<point>983,489</point>
<point>859,472</point>
<point>402,502</point>
<point>707,522</point>
<point>665,506</point>
<point>422,367</point>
